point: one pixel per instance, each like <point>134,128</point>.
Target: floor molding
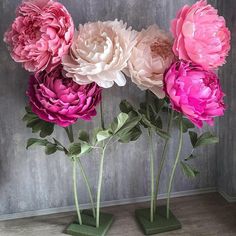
<point>103,204</point>
<point>227,197</point>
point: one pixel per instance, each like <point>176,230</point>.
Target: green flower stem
<point>174,167</point>
<point>100,186</point>
<point>163,158</point>
<point>69,132</point>
<point>88,186</point>
<point>70,135</point>
<point>152,174</point>
<point>75,192</point>
<point>150,143</point>
<point>102,117</point>
<point>100,170</point>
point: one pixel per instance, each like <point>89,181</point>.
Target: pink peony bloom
<point>201,35</point>
<point>195,92</point>
<point>60,100</point>
<point>40,35</point>
<point>150,57</point>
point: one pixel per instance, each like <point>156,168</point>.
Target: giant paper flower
<point>151,56</point>
<point>60,100</point>
<point>40,35</point>
<point>201,35</point>
<point>99,52</point>
<point>195,92</point>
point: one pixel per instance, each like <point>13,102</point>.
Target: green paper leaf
<point>131,135</point>
<point>126,107</point>
<point>193,138</point>
<point>50,148</point>
<point>187,125</point>
<point>188,170</point>
<point>94,136</point>
<point>75,149</point>
<point>85,148</point>
<point>33,141</point>
<point>205,139</point>
<point>158,104</point>
<point>132,121</point>
<point>84,136</point>
<point>159,131</point>
<point>28,109</point>
<point>103,135</point>
<point>46,129</point>
<point>118,122</point>
<point>143,108</point>
<point>158,122</point>
<point>37,125</point>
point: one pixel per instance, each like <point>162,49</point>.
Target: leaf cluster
<point>196,141</point>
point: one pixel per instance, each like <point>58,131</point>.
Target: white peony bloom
<point>100,51</point>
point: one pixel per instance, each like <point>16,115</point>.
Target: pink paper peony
<point>201,35</point>
<point>60,100</point>
<point>40,35</point>
<point>150,57</point>
<point>100,51</point>
<point>195,92</point>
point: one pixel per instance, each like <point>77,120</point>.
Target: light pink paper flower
<point>40,35</point>
<point>195,92</point>
<point>201,35</point>
<point>99,52</point>
<point>151,56</point>
<point>60,100</point>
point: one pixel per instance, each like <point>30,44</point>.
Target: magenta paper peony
<point>201,35</point>
<point>40,35</point>
<point>100,51</point>
<point>150,57</point>
<point>195,92</point>
<point>60,100</point>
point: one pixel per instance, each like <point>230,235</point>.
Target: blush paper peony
<point>150,57</point>
<point>99,53</point>
<point>71,67</point>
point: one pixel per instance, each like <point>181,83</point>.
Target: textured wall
<point>227,149</point>
<point>29,180</point>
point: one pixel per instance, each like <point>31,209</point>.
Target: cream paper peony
<point>99,53</point>
<point>151,56</point>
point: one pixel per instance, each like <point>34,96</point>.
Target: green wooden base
<point>88,228</point>
<point>160,224</point>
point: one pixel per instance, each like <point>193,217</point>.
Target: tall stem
<point>69,132</point>
<point>100,170</point>
<point>174,167</point>
<point>102,117</point>
<point>163,158</point>
<point>152,174</point>
<point>75,192</point>
<point>99,187</point>
<point>150,144</point>
<point>88,186</point>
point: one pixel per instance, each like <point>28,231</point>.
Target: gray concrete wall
<point>30,181</point>
<point>227,149</point>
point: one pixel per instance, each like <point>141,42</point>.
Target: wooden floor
<point>208,215</point>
